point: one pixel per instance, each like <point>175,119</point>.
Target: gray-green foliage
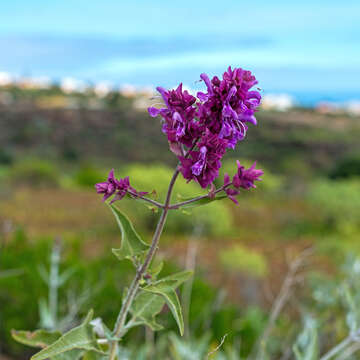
<point>81,341</point>
<point>350,295</point>
<point>336,302</point>
<point>153,296</point>
<point>71,345</point>
<point>79,338</point>
<point>165,288</point>
<point>38,338</point>
<point>307,343</point>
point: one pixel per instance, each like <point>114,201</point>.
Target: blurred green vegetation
<point>56,146</point>
<point>238,258</point>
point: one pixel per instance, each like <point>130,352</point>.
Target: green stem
<point>195,199</point>
<point>54,282</point>
<point>134,287</point>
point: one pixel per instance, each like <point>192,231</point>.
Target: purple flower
<point>203,165</point>
<point>228,104</point>
<point>108,187</point>
<point>245,178</point>
<point>231,193</point>
<point>209,124</point>
<point>178,116</point>
<point>118,187</point>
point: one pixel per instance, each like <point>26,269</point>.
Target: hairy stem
<point>151,201</point>
<point>195,199</point>
<point>134,287</point>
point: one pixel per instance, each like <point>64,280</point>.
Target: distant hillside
<point>297,139</point>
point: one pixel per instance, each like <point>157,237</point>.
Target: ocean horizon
<point>309,50</point>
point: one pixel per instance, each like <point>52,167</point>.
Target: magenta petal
<point>236,181</point>
<point>164,95</point>
<point>248,118</point>
<point>153,111</point>
<point>232,198</point>
<point>206,80</point>
<point>101,187</point>
<point>111,176</point>
<point>231,93</point>
<point>201,96</point>
<point>231,193</point>
<point>226,179</point>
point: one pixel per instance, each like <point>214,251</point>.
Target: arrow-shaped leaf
<point>145,307</point>
<point>166,287</point>
<point>38,338</point>
<point>155,269</point>
<point>42,339</point>
<point>79,338</point>
<point>131,242</point>
<point>75,354</point>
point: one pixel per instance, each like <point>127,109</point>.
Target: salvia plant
<point>200,130</point>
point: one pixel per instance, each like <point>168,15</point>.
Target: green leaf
<point>166,287</point>
<point>175,280</point>
<point>307,343</point>
<point>42,339</point>
<point>131,243</point>
<point>38,338</point>
<point>91,355</point>
<point>66,275</point>
<point>79,338</point>
<point>353,314</point>
<point>190,350</point>
<point>144,309</point>
<point>75,354</point>
<point>155,269</point>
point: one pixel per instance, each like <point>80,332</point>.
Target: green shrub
<point>6,157</point>
<point>339,202</point>
<point>88,176</point>
<point>346,168</point>
<point>239,258</point>
<point>34,172</point>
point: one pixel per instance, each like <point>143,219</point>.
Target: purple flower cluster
<point>119,187</point>
<point>208,124</point>
<point>201,129</point>
<point>243,178</point>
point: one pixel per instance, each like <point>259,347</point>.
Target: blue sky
<point>292,46</point>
